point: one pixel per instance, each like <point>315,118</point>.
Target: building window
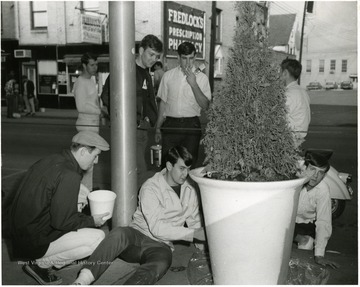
<point>333,65</point>
<point>344,66</point>
<point>218,26</point>
<point>39,14</point>
<point>308,66</point>
<point>321,66</point>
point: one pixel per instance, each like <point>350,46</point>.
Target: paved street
<point>26,140</point>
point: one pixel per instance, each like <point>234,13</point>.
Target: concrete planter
<point>249,227</point>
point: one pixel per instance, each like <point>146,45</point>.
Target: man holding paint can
<point>47,228</point>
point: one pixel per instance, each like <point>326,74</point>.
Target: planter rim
<point>197,175</point>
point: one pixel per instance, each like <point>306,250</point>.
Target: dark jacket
<point>145,103</point>
<point>30,88</point>
<point>45,205</point>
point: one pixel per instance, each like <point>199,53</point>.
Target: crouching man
<point>166,202</point>
<point>313,219</point>
<point>46,227</point>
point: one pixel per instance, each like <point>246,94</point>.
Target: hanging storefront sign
<point>183,24</point>
<point>91,29</point>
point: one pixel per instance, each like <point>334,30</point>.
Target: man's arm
<point>160,121</point>
<point>64,205</point>
<point>323,226</point>
<point>200,97</point>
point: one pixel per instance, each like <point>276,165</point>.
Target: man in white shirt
<point>313,220</point>
<point>297,100</point>
<point>183,93</point>
<point>166,202</point>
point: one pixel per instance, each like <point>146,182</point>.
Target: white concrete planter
<point>249,227</point>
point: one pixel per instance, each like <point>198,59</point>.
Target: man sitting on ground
<point>166,202</point>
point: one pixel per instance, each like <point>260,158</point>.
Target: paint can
<point>155,155</point>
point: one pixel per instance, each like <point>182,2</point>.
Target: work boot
<point>44,276</point>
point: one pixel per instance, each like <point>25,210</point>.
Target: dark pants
<point>134,247</point>
<point>182,131</point>
<point>305,229</point>
<point>11,106</point>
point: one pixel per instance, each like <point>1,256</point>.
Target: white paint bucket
<point>102,201</point>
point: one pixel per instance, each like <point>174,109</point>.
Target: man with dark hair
<point>166,202</point>
<point>149,52</point>
<point>313,220</point>
<point>47,226</point>
<point>297,100</point>
<point>184,92</point>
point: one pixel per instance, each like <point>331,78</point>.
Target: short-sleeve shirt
<point>176,92</point>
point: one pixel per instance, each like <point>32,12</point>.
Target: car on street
<point>330,85</point>
<point>346,85</point>
<point>314,86</point>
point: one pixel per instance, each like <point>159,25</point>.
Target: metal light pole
<point>123,110</point>
<point>302,36</point>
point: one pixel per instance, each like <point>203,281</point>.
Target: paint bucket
<point>102,201</point>
<point>155,155</point>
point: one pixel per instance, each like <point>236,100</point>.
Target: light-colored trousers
<point>71,246</point>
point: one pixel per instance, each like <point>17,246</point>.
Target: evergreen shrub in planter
<point>250,201</point>
<point>247,137</point>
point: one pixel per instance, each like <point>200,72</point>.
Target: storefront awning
<point>75,59</point>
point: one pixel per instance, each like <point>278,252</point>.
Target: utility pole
<point>302,36</point>
<point>212,45</point>
<point>123,110</point>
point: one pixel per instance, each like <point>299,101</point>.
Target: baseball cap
<point>91,139</point>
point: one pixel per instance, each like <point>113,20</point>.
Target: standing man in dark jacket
<point>149,52</point>
<point>29,96</point>
<point>46,226</point>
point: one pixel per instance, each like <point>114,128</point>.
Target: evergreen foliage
<point>247,137</point>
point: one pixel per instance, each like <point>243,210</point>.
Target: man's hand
<point>190,77</point>
<point>157,135</point>
<point>98,219</point>
<point>324,262</point>
<point>199,234</point>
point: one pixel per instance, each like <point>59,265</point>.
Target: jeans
<point>70,247</point>
<point>134,247</point>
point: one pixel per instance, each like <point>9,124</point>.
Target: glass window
<point>333,65</point>
<point>321,66</point>
<point>308,66</point>
<point>218,26</point>
<point>344,66</point>
<point>39,14</point>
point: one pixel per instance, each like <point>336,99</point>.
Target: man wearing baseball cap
<point>47,227</point>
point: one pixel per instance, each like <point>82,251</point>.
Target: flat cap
<point>91,139</point>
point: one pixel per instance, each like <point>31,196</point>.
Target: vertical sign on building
<point>183,24</point>
<point>91,29</point>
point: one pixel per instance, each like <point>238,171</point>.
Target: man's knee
<point>94,237</point>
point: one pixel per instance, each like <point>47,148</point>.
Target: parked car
<point>330,85</point>
<point>314,86</point>
<point>346,85</point>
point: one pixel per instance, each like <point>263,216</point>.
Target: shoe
<point>41,275</point>
<point>33,114</point>
<point>27,114</point>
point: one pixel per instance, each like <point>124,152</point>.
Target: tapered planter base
<point>249,227</point>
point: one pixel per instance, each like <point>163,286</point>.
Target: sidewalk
<point>13,275</point>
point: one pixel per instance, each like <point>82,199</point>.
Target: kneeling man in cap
<point>47,227</point>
